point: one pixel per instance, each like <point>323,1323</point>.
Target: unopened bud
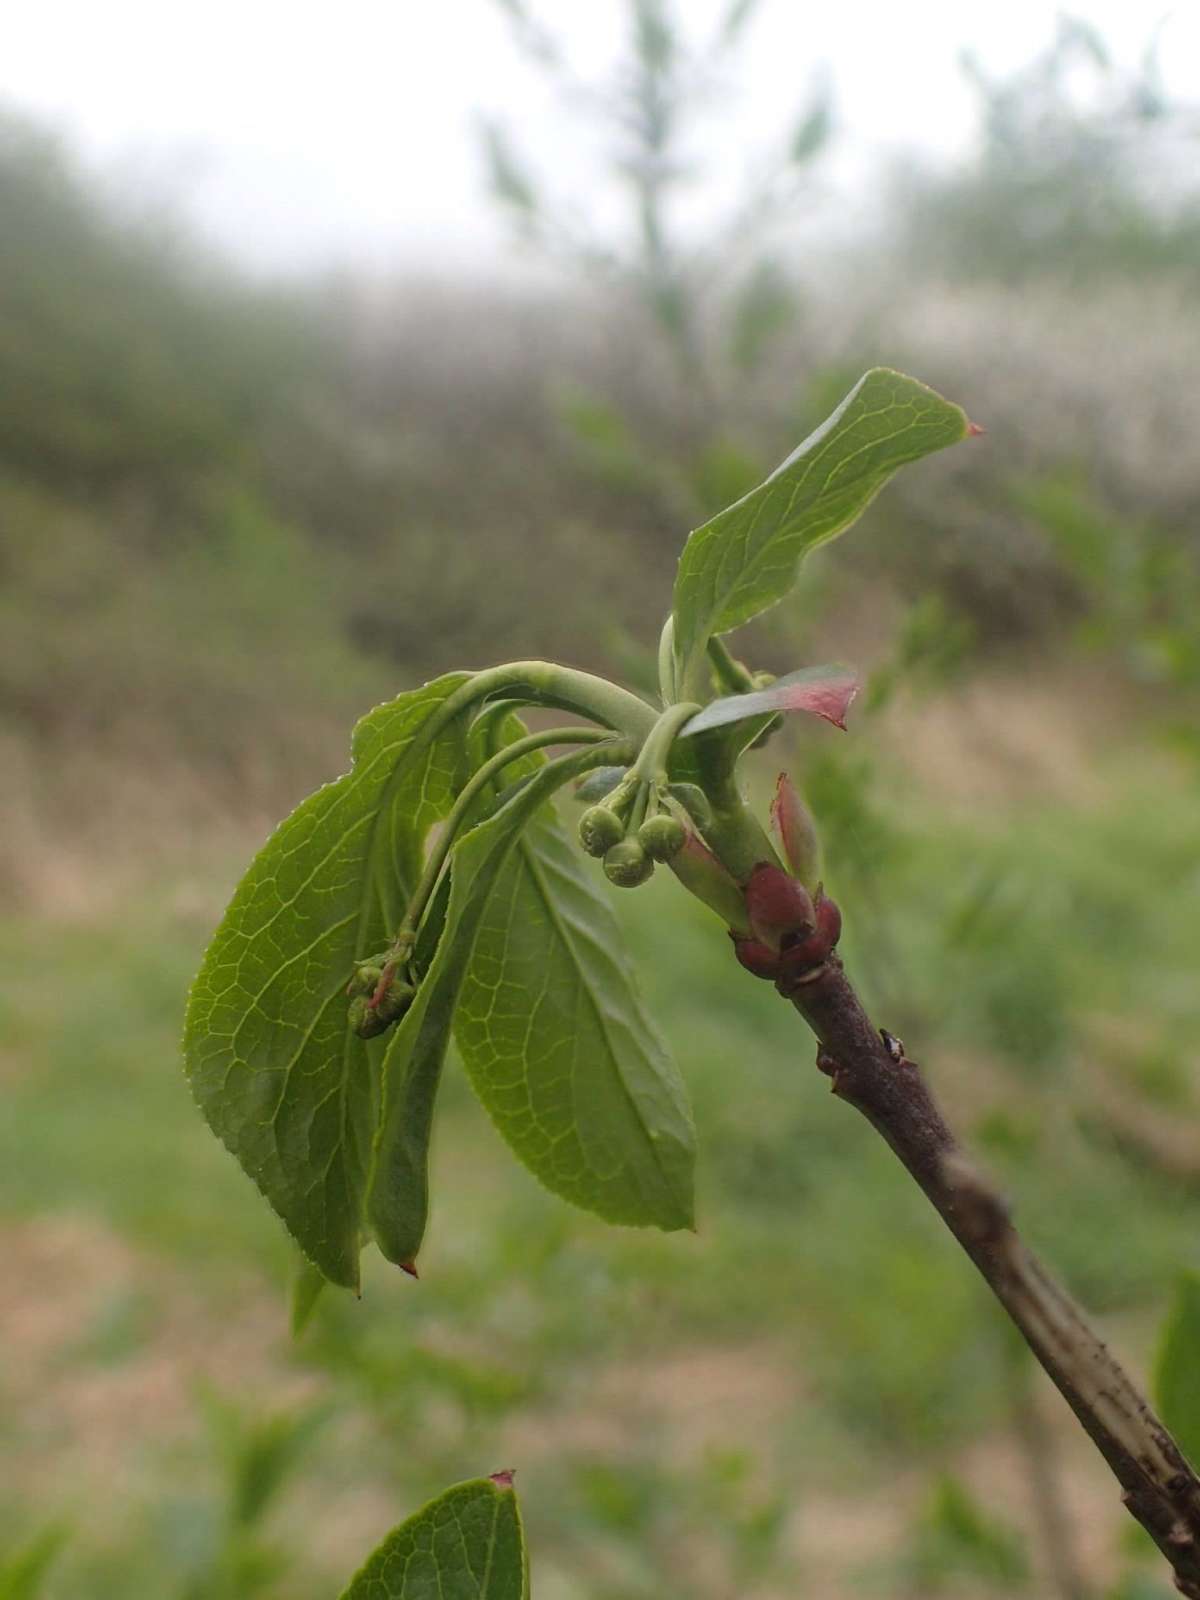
<point>364,1019</point>
<point>757,958</point>
<point>395,1000</point>
<point>816,947</point>
<point>367,974</point>
<point>365,980</point>
<point>780,909</point>
<point>662,837</point>
<point>627,864</point>
<point>797,831</point>
<point>599,830</point>
<point>599,783</point>
<point>370,1015</point>
<point>695,802</point>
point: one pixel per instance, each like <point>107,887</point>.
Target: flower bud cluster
<point>379,996</point>
<point>636,824</point>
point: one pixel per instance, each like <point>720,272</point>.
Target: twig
<point>869,1070</point>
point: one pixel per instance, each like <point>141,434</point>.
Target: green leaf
<point>825,692</point>
<point>1177,1370</point>
<point>468,1544</point>
<point>560,1051</point>
<point>282,1080</point>
<point>531,972</point>
<point>745,559</point>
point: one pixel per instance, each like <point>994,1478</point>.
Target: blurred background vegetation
<point>233,515</point>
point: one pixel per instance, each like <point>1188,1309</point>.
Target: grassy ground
<point>765,1409</point>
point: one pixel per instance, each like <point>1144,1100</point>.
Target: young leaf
<point>560,1050</point>
<point>1177,1371</point>
<point>745,558</point>
<point>551,1032</point>
<point>282,1080</point>
<point>468,1544</point>
<point>824,691</point>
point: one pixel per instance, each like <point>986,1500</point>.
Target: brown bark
<point>869,1069</point>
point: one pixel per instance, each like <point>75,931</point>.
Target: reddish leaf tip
<point>504,1478</point>
<point>974,429</point>
<point>411,1268</point>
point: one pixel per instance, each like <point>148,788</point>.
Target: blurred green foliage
<point>672,1406</point>
<point>24,1570</point>
<point>1086,169</point>
<point>231,517</point>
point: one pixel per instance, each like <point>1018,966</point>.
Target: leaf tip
<point>975,429</point>
<point>410,1267</point>
<point>504,1478</point>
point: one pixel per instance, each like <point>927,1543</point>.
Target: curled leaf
<point>746,557</point>
<point>701,874</point>
<point>797,832</point>
<point>826,692</point>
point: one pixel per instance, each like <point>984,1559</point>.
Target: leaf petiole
<point>666,662</point>
<point>467,797</point>
<point>651,766</point>
<point>733,677</point>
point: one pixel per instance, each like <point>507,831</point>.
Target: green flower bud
<point>662,837</point>
<point>364,1020</point>
<point>366,979</point>
<point>369,1021</point>
<point>395,1001</point>
<point>695,802</point>
<point>627,864</point>
<point>599,783</point>
<point>599,830</point>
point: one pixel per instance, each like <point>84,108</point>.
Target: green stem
<point>651,764</point>
<point>545,683</point>
<point>735,836</point>
<point>731,674</point>
<point>666,662</point>
<point>462,806</point>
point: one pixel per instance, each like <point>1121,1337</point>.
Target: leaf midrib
<point>753,562</point>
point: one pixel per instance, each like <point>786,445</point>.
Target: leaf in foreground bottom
<point>468,1544</point>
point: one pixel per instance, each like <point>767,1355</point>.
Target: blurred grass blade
<point>1177,1370</point>
<point>468,1544</point>
<point>273,1065</point>
<point>745,559</point>
<point>23,1571</point>
<point>307,1284</point>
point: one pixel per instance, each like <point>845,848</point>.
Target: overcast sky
<point>298,133</point>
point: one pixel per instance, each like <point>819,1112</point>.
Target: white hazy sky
<point>298,133</point>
